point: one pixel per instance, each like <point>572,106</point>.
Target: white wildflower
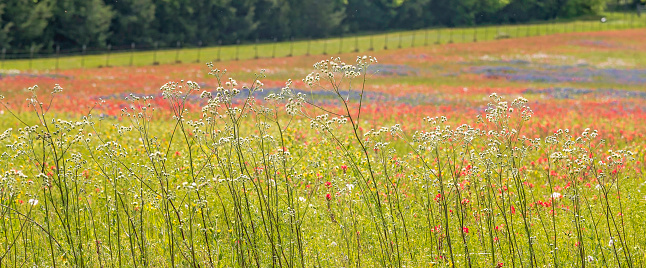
<point>350,186</point>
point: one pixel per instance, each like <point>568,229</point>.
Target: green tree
<point>486,11</point>
<point>174,21</point>
<point>23,22</point>
<point>5,26</point>
<point>369,15</point>
<point>273,19</point>
<point>213,20</point>
<point>132,21</point>
<point>413,14</point>
<point>241,24</point>
<point>73,23</point>
<point>453,13</point>
<point>573,8</point>
<point>191,21</point>
<point>316,18</point>
<point>81,22</point>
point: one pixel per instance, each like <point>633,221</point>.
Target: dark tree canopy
<point>45,24</point>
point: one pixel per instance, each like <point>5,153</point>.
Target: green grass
<point>330,46</point>
<point>302,190</point>
<point>257,186</point>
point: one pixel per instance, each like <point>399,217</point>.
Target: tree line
<point>46,24</point>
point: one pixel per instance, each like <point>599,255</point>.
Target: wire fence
<point>85,57</point>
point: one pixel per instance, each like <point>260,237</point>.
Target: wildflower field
<point>510,153</point>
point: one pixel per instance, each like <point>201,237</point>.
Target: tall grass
<point>292,181</point>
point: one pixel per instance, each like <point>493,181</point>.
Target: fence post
<point>625,15</point>
<point>199,50</point>
<point>107,56</point>
<point>132,52</point>
<point>273,52</point>
<point>386,41</point>
<point>31,56</point>
<point>372,47</point>
<point>309,44</point>
<point>356,43</point>
<point>83,56</point>
<point>485,37</point>
<point>255,48</point>
<point>237,49</point>
<point>4,55</point>
<point>155,54</point>
<point>426,37</point>
<point>450,35</point>
<point>439,33</point>
<point>58,52</point>
<point>177,52</point>
<point>324,46</point>
<point>219,49</point>
<point>412,42</point>
<point>565,28</point>
<point>401,37</point>
<point>475,33</point>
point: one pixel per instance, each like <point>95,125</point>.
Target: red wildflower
<point>344,168</point>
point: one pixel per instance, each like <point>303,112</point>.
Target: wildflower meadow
<point>525,152</point>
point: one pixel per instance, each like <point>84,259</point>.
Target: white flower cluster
<point>500,111</point>
<point>439,132</point>
<point>172,90</point>
<point>57,89</point>
<point>32,89</point>
<point>294,101</point>
<point>5,134</point>
<point>312,78</point>
<point>157,156</point>
<point>336,66</point>
<point>364,61</point>
<point>393,130</point>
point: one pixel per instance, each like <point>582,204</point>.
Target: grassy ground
<point>330,46</point>
<point>183,177</point>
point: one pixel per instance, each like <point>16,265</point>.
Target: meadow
<point>287,47</point>
<point>505,153</point>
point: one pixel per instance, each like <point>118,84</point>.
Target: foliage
<point>73,23</point>
<point>367,15</point>
<point>23,23</point>
<point>80,22</point>
<point>133,21</point>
